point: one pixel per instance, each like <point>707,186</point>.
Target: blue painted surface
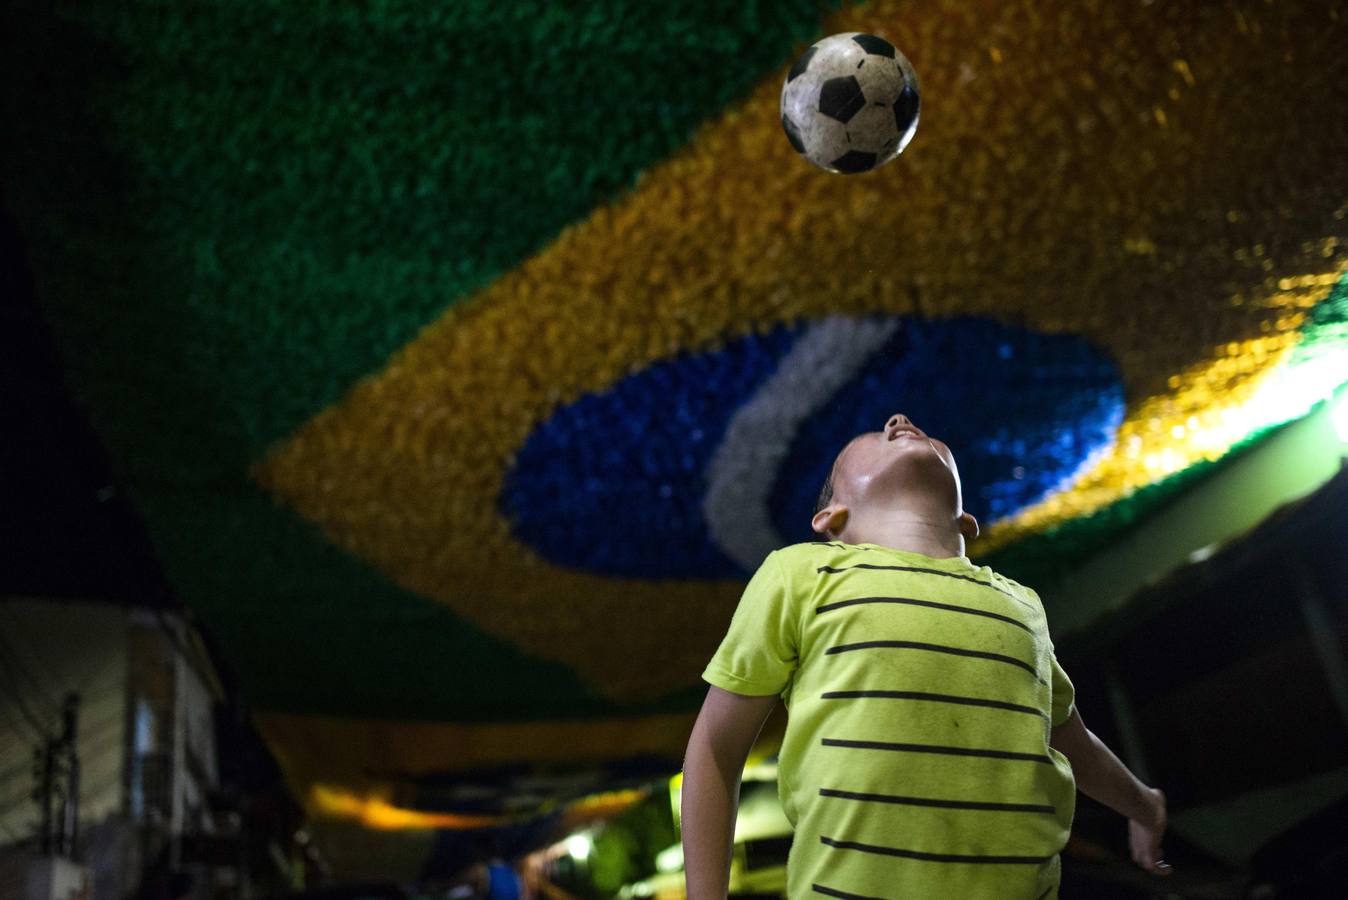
<point>613,483</point>
<point>1021,411</point>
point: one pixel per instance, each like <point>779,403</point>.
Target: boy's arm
<point>1102,777</point>
<point>722,737</point>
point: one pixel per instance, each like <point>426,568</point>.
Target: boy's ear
<point>830,520</point>
<point>968,526</point>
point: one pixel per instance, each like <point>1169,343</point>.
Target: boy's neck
<point>938,540</point>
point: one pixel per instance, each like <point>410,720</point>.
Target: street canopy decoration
<point>465,358</point>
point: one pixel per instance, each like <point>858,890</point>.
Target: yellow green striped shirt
<point>920,694</point>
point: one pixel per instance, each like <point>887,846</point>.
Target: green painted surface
<point>235,210</point>
<point>309,629</point>
<point>279,195</point>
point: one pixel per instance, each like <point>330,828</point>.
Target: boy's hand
<point>1144,837</point>
<point>1101,776</point>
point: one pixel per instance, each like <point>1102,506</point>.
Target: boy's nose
<point>896,420</point>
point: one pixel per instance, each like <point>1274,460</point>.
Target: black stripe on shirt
<point>938,698</point>
<point>910,601</point>
<point>843,895</point>
<point>834,570</point>
<point>936,748</point>
<point>939,804</point>
<point>936,648</point>
<point>934,857</point>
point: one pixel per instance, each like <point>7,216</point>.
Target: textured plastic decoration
<point>364,255</point>
<point>1021,203</point>
<point>234,212</point>
<point>635,460</point>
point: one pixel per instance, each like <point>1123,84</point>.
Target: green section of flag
<point>286,192</point>
<point>309,629</point>
<point>233,211</point>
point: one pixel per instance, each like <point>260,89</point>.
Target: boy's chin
<point>918,459</point>
<point>911,475</point>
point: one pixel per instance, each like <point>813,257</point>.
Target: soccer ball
<point>850,103</point>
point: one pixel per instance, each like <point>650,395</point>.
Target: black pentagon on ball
<point>793,134</point>
<point>854,161</point>
<point>875,45</point>
<point>841,98</point>
<point>801,64</point>
<point>905,108</point>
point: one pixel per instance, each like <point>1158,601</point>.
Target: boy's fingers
<point>1152,865</point>
<point>1147,853</point>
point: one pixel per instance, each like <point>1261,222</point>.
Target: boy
<point>932,738</point>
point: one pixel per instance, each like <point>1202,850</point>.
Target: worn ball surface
<point>850,103</point>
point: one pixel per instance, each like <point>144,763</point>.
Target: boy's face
<point>898,465</point>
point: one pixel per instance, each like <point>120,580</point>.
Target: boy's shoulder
<point>812,557</point>
<point>800,563</point>
<point>1010,585</point>
<point>810,554</point>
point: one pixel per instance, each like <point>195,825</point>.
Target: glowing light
<point>578,846</point>
<point>1338,414</point>
<point>1288,393</point>
<point>670,859</point>
<point>1203,553</point>
<point>374,811</point>
<point>1210,412</point>
<point>597,807</point>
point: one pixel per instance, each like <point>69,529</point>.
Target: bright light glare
<point>1338,414</point>
<point>1287,393</point>
<point>578,846</point>
<point>670,859</point>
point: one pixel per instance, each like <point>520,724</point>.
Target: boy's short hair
<point>826,493</point>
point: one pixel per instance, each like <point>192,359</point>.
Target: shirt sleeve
<point>1064,695</point>
<point>758,655</point>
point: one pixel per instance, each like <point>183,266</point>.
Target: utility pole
<point>70,820</point>
<point>43,774</point>
<point>57,757</point>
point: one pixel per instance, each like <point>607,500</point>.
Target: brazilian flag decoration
<point>464,358</point>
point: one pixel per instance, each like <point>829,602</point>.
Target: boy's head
<point>897,474</point>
